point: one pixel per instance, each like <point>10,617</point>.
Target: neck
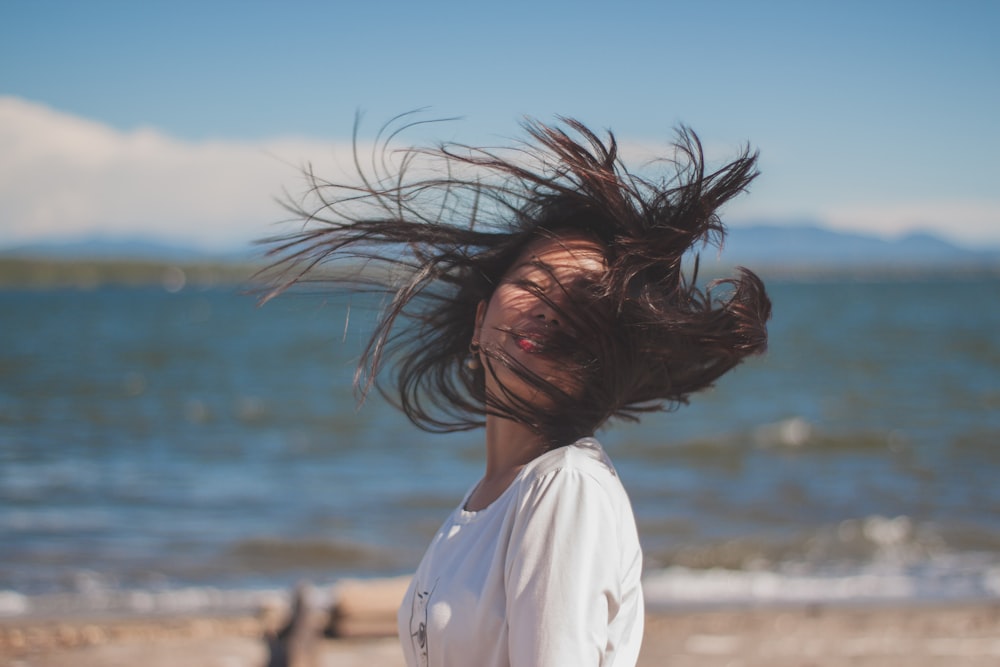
<point>509,447</point>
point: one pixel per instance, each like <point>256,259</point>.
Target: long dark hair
<point>646,335</point>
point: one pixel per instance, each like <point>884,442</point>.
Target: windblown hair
<point>645,335</point>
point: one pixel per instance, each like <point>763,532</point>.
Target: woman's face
<point>526,317</point>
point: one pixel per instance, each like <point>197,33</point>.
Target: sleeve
<point>562,572</point>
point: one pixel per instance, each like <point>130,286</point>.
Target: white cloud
<point>62,176</point>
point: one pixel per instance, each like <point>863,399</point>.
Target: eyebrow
<point>534,262</point>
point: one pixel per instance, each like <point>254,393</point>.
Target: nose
<point>545,314</point>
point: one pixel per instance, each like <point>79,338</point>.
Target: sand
<point>818,636</point>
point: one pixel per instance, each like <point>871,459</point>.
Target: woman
<point>538,292</point>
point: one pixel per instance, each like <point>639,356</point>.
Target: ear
<point>480,316</point>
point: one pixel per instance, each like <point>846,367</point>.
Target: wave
<point>111,602</point>
<point>281,555</point>
<point>958,578</point>
<point>876,540</point>
<point>872,559</point>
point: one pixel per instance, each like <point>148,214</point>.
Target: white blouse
<point>546,575</point>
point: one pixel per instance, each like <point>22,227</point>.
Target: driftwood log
<point>361,608</point>
<point>366,607</point>
<point>297,643</point>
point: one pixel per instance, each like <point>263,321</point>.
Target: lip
<point>529,345</point>
<point>531,337</point>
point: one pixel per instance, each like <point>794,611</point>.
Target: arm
<point>563,572</point>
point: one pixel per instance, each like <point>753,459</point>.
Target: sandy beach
<point>815,636</point>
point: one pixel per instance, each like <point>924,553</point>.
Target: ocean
<point>176,448</point>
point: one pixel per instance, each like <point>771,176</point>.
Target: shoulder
<point>585,455</point>
<point>572,496</point>
<point>582,463</point>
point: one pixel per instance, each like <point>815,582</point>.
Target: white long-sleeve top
<point>547,575</point>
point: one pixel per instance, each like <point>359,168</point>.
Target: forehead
<point>566,255</point>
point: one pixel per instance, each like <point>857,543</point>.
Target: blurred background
<point>165,444</point>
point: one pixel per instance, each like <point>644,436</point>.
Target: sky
<point>185,121</point>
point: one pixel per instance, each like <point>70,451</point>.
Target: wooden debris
<point>366,608</point>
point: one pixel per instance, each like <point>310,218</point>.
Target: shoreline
<point>919,634</point>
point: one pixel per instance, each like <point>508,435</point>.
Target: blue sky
<point>183,120</point>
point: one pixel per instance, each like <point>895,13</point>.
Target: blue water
<point>165,442</point>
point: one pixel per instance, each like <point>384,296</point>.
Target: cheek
<point>500,312</point>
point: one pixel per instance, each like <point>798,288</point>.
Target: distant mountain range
<point>812,246</point>
<point>801,246</point>
<point>124,248</point>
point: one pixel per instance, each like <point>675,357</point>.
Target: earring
<point>473,363</point>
